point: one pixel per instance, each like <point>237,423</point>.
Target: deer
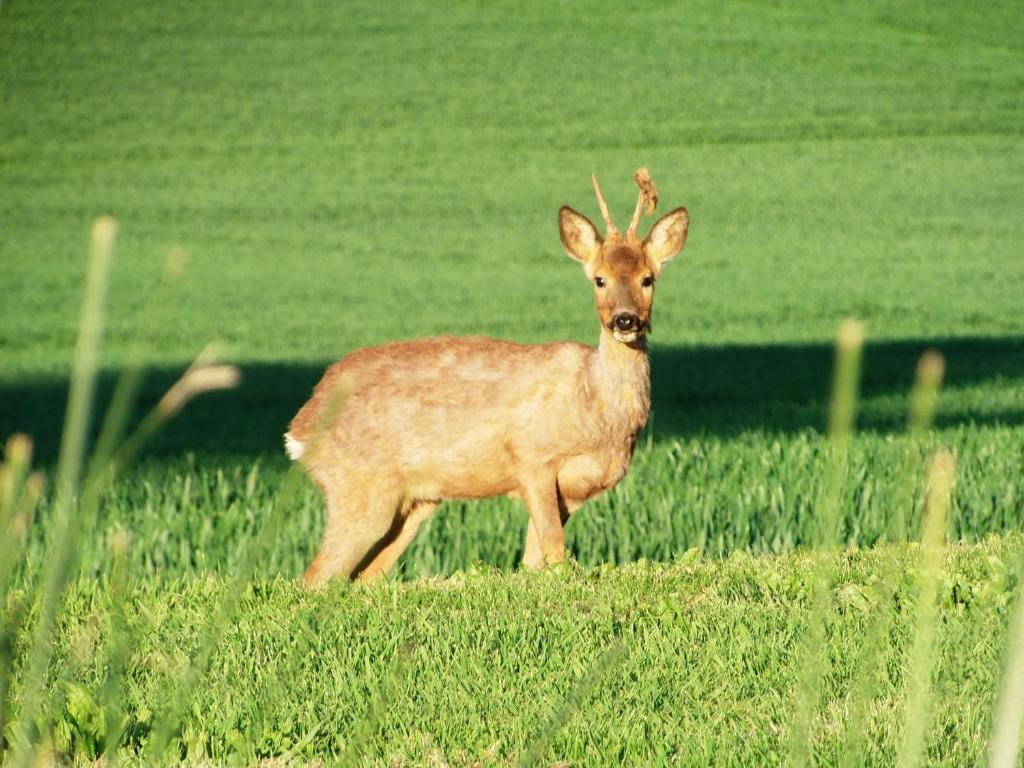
<point>392,431</point>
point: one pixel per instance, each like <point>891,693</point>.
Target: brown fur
<point>466,418</point>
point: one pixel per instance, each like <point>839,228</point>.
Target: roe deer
<point>466,418</point>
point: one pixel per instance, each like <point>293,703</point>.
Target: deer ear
<point>579,236</point>
<point>667,237</point>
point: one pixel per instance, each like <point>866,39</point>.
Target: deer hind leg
<point>533,555</point>
<point>383,557</point>
<point>357,520</point>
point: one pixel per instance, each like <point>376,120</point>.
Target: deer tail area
<point>293,446</point>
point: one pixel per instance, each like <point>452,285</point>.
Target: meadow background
<point>347,174</point>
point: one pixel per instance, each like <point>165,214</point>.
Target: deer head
<point>624,270</point>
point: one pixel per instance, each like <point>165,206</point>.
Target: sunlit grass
<point>114,644</point>
<point>350,175</point>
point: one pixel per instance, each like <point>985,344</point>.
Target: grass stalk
<point>941,472</point>
<point>71,509</point>
<point>849,347</point>
<point>69,467</point>
<point>1004,749</point>
<point>19,495</point>
<point>384,692</point>
<point>121,643</point>
<point>573,701</point>
<point>843,407</point>
<point>924,398</point>
<point>101,468</point>
<point>128,382</point>
<point>84,367</point>
<point>169,720</point>
<point>923,402</point>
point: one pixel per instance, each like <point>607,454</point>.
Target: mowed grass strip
<point>698,662</point>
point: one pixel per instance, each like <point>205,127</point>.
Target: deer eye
<point>599,282</point>
<point>648,281</point>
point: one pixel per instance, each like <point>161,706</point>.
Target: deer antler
<point>648,197</point>
<point>609,225</point>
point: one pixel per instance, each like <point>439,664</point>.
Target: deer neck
<point>620,378</point>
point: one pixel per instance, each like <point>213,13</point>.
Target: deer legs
<point>545,538</point>
<point>355,524</point>
<point>392,546</point>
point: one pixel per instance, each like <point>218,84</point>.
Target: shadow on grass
<point>717,390</point>
<point>785,388</point>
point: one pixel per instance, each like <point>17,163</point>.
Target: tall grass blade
<point>849,346</point>
<point>202,376</point>
<point>83,372</point>
<point>572,702</point>
<point>923,403</point>
<point>843,408</point>
<point>1004,749</point>
<point>120,644</point>
<point>13,486</point>
<point>69,467</point>
<point>71,510</point>
<point>924,400</point>
<point>383,693</point>
<point>168,721</point>
<point>101,470</point>
<point>919,662</point>
<point>128,382</point>
<point>19,494</point>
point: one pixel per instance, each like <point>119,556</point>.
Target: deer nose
<point>625,322</point>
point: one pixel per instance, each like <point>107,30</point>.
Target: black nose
<point>625,322</point>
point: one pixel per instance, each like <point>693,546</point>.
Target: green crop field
<point>331,176</point>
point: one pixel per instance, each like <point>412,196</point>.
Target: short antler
<point>609,225</point>
<point>648,197</point>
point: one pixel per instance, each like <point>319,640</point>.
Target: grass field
<point>344,175</point>
<point>699,668</point>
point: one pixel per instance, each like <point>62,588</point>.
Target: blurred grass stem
<point>811,670</point>
<point>919,661</point>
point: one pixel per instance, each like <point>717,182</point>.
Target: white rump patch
<point>293,447</point>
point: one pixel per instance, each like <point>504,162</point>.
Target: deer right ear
<point>579,236</point>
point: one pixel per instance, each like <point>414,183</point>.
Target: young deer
<point>392,431</point>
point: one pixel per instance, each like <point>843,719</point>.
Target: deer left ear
<point>666,238</point>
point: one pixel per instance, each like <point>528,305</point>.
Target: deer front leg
<point>533,556</point>
<point>545,524</point>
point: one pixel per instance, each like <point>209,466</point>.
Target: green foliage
<point>347,174</point>
<point>417,195</point>
<point>702,662</point>
<point>189,516</point>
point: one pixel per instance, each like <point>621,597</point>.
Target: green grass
<point>701,671</point>
<point>708,493</point>
<point>344,175</point>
